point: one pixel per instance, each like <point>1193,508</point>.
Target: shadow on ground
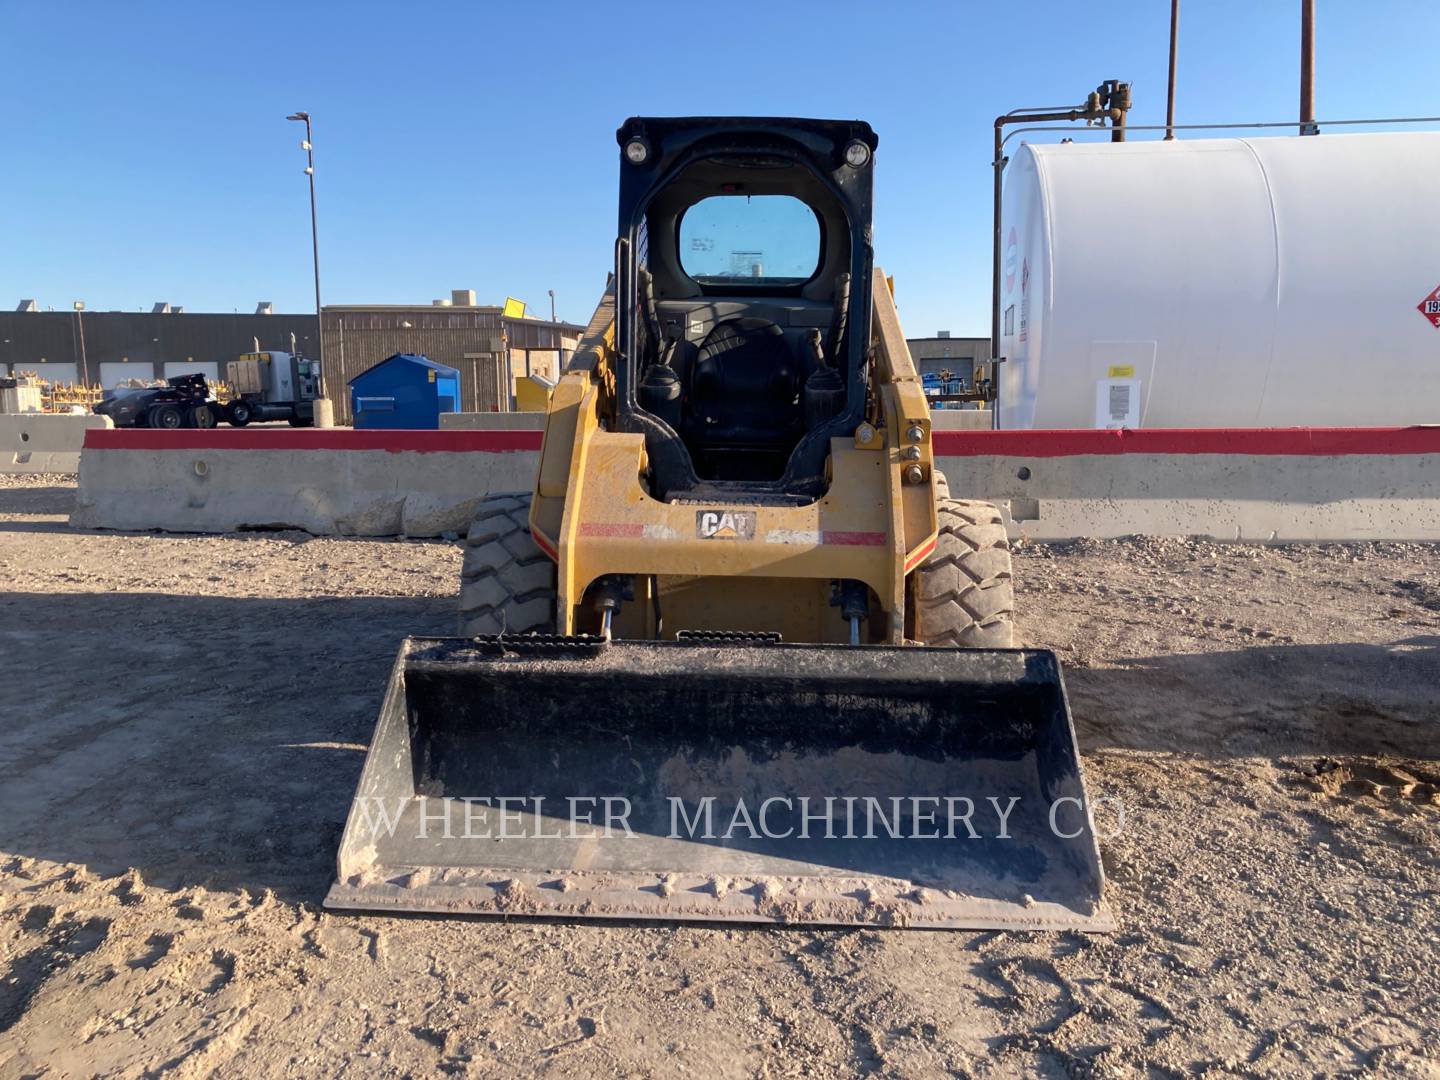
<point>34,500</point>
<point>203,740</point>
<point>1350,699</point>
<point>217,741</point>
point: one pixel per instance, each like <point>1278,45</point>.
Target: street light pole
<point>309,147</point>
<point>80,325</point>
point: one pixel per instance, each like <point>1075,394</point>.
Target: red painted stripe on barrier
<point>225,438</point>
<point>627,529</point>
<point>1300,442</point>
<point>853,539</point>
<point>1304,442</point>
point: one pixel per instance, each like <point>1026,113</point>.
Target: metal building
<point>962,357</point>
<point>489,348</point>
<point>108,347</point>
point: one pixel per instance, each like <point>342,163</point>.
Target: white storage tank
<point>1272,282</point>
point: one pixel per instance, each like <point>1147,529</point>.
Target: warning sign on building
<point>1430,307</point>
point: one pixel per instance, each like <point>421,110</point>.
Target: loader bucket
<point>726,780</point>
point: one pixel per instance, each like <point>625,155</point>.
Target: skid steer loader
<point>738,655</point>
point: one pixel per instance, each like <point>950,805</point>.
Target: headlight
<point>857,154</point>
<point>637,151</point>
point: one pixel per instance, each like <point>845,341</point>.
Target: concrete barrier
<point>1265,485</point>
<point>492,421</point>
<point>328,482</point>
<point>1276,484</point>
<point>44,442</point>
<point>960,419</point>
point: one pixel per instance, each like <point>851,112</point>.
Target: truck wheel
<point>165,416</point>
<point>301,421</point>
<point>507,584</point>
<point>963,593</point>
<point>240,413</point>
<point>202,416</point>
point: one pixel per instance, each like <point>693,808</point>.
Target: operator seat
<point>744,386</point>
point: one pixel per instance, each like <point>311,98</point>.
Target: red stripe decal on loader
<point>853,539</point>
<point>627,530</point>
<point>919,556</point>
<point>543,543</point>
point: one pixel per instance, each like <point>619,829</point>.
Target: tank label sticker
<point>1117,403</point>
<point>1430,307</point>
<point>725,524</point>
<point>1025,300</point>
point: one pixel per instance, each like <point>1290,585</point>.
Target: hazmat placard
<point>1430,307</point>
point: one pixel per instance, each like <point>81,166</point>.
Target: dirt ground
<point>184,720</point>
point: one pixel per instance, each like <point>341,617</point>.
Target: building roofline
<point>477,309</point>
<point>89,313</point>
<point>493,308</point>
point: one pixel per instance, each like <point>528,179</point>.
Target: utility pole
<point>323,414</point>
<point>552,306</point>
<point>1174,51</point>
<point>1307,68</point>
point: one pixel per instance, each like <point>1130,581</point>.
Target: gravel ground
<point>185,719</point>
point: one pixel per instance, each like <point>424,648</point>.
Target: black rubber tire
<point>507,584</point>
<point>964,594</point>
<point>203,417</point>
<point>167,417</point>
<point>239,413</point>
<point>301,421</point>
<point>942,487</point>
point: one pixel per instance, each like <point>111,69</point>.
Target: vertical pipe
<point>1174,51</point>
<point>999,167</point>
<point>1307,68</point>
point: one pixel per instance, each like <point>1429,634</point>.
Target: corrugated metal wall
<point>959,356</point>
<point>478,342</point>
<point>144,339</point>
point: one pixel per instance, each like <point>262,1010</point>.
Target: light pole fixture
<point>307,144</point>
<point>84,374</point>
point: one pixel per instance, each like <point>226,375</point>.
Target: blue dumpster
<point>405,391</point>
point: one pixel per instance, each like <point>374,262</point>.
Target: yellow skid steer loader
<point>738,655</point>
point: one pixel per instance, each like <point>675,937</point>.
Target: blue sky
<point>146,156</point>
